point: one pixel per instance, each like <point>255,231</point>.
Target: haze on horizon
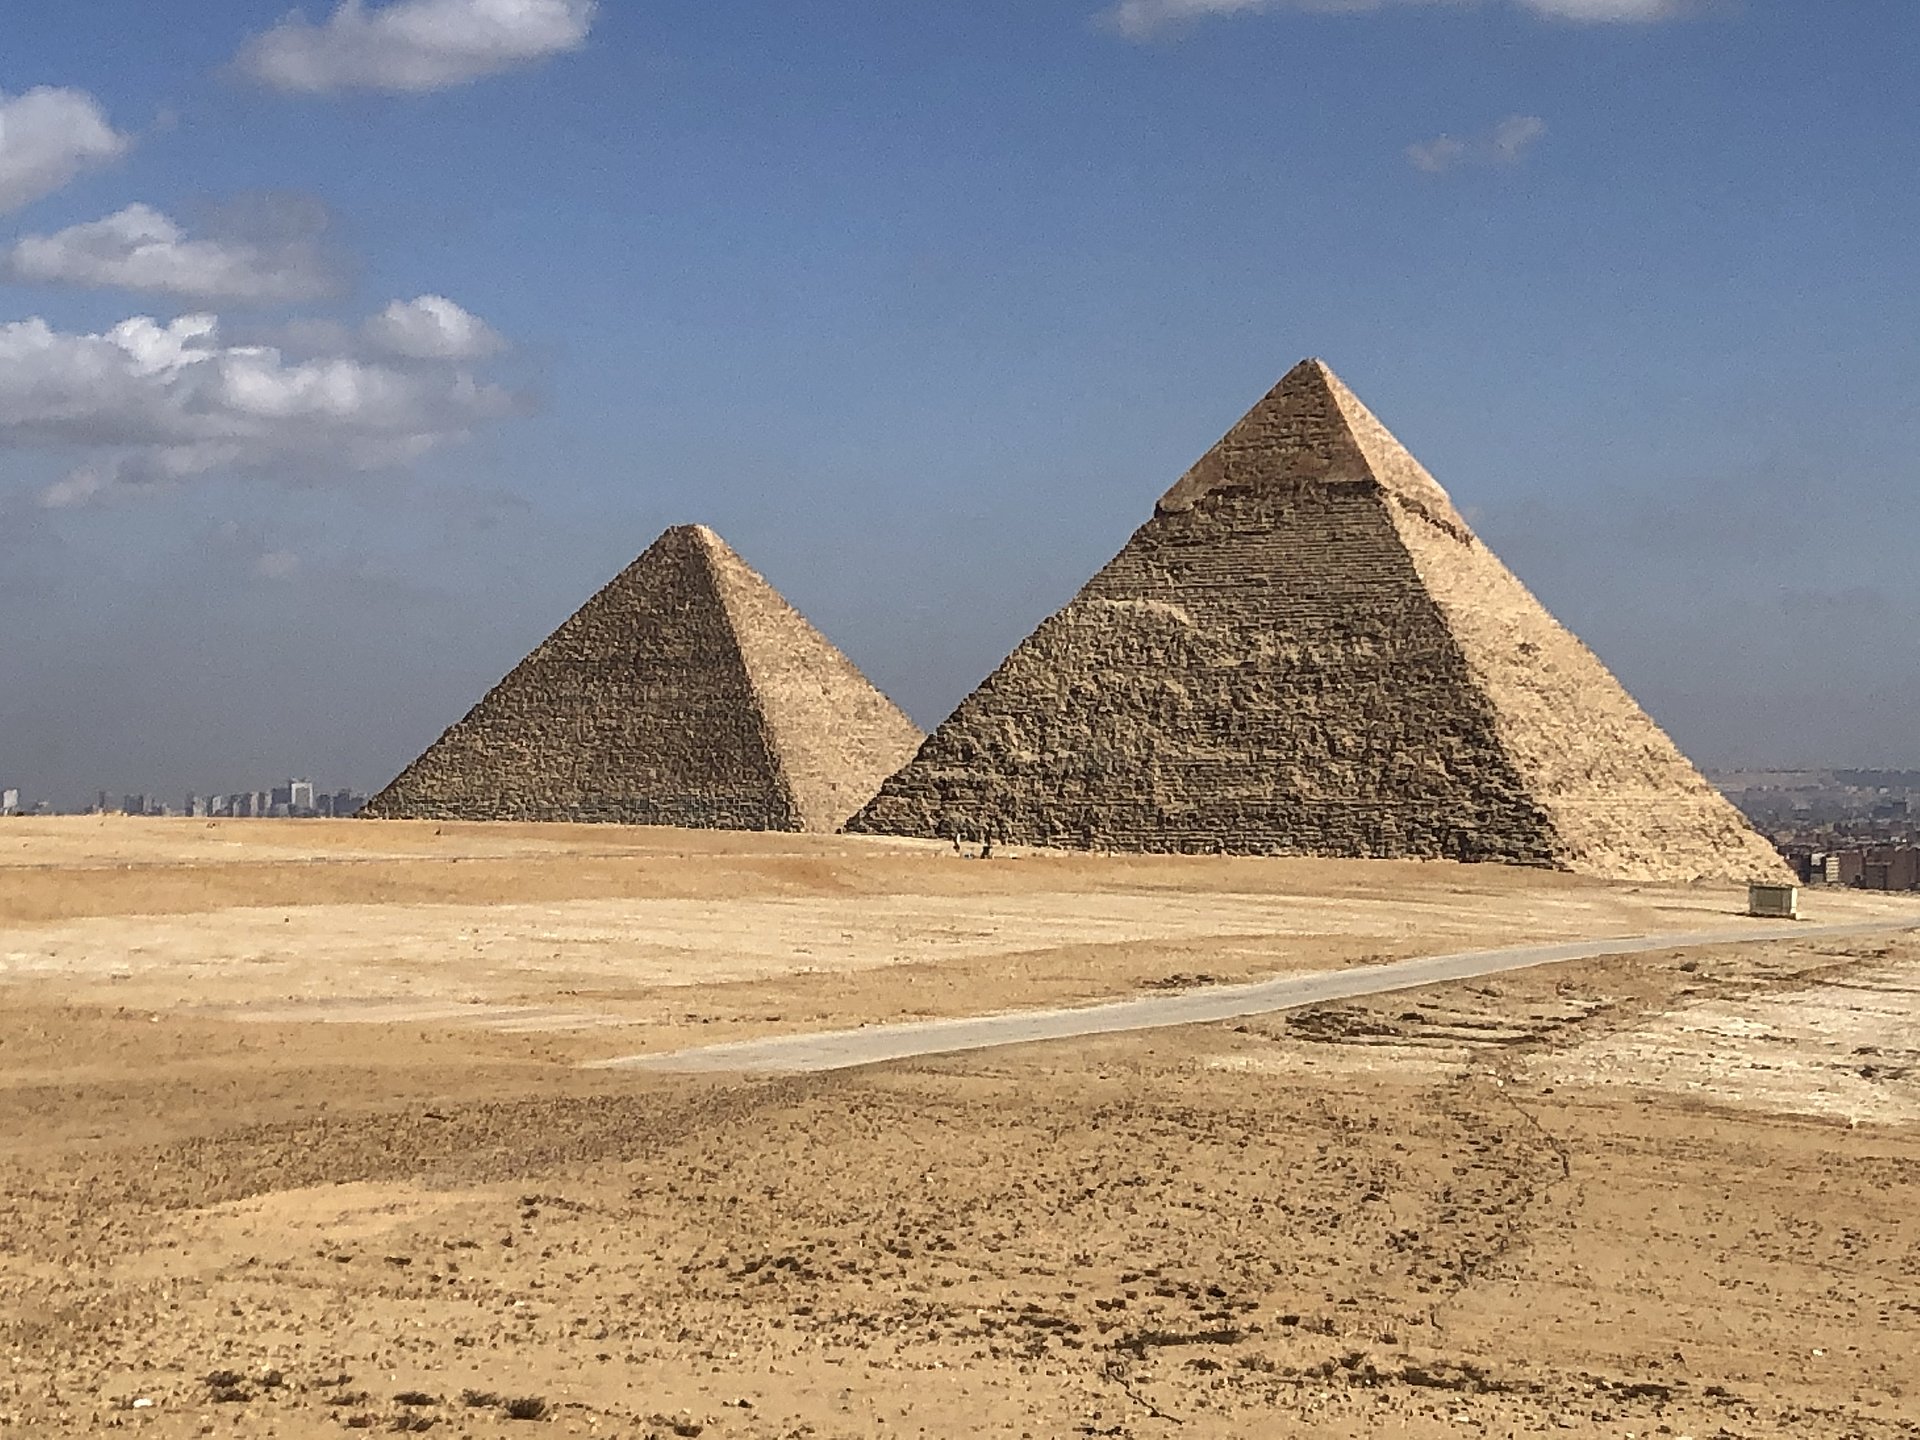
<point>342,356</point>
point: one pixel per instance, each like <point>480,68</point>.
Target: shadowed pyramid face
<point>686,692</point>
<point>1307,651</point>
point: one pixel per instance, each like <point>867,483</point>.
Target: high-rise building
<point>9,802</point>
<point>300,797</point>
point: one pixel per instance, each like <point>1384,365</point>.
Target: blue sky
<point>921,306</point>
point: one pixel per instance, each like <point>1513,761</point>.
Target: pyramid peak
<point>691,543</point>
<point>703,535</point>
<point>1311,429</point>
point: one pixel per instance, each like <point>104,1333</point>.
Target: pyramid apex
<point>1311,429</point>
<point>1296,433</point>
<point>1309,370</point>
<point>696,539</point>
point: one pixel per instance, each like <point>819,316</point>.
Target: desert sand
<point>301,1132</point>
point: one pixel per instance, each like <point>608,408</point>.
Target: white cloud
<point>1138,19</point>
<point>413,45</point>
<point>139,248</point>
<point>149,404</point>
<point>1506,144</point>
<point>48,136</point>
<point>432,328</point>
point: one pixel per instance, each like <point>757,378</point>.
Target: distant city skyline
<point>291,796</point>
<point>295,798</point>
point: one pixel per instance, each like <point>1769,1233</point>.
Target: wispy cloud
<point>412,45</point>
<point>275,565</point>
<point>140,249</point>
<point>47,137</point>
<point>1602,11</point>
<point>1138,19</point>
<point>1506,144</point>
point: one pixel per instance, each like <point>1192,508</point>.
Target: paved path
<point>844,1049</point>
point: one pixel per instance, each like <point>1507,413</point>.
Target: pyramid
<point>1307,651</point>
<point>686,692</point>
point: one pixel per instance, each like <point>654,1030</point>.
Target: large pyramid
<point>686,692</point>
<point>1306,651</point>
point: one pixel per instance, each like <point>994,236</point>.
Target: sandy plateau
<point>299,1135</point>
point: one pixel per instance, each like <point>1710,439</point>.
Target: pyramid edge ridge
<point>815,814</point>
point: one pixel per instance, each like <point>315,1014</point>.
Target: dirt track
<point>1612,1197</point>
<point>1192,1005</point>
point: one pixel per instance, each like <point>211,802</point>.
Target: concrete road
<point>844,1049</point>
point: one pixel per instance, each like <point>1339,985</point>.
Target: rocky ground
<point>1668,1195</point>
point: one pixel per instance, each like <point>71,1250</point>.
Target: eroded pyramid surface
<point>686,692</point>
<point>1307,651</point>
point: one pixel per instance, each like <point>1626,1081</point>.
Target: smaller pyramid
<point>686,692</point>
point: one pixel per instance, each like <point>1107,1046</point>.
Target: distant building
<point>9,802</point>
<point>1875,867</point>
<point>1890,867</point>
<point>300,797</point>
